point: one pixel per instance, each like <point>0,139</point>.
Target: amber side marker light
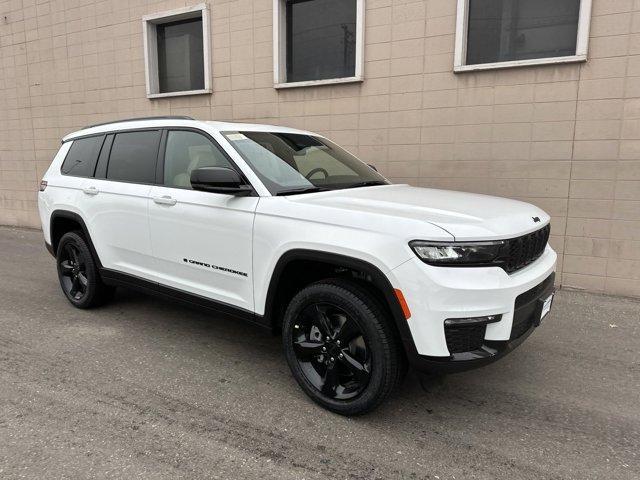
<point>403,303</point>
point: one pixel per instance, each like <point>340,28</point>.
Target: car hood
<point>466,216</point>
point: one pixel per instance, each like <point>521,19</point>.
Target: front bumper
<point>526,318</point>
<point>435,294</point>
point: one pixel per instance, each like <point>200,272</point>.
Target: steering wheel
<point>316,170</point>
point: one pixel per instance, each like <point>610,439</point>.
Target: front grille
<point>520,252</point>
<point>464,338</point>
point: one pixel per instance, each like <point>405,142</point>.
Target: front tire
<point>341,347</point>
<point>78,273</point>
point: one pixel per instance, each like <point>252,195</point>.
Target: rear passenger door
<point>115,201</point>
<point>202,241</point>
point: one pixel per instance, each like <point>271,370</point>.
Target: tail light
<point>43,185</point>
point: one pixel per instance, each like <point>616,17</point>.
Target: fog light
<point>450,322</point>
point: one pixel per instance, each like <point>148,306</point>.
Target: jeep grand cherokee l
<point>287,230</point>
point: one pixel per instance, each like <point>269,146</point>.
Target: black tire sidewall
<point>91,271</point>
<point>368,318</point>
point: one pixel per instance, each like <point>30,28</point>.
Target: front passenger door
<point>202,241</point>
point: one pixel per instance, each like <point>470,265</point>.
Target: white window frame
<point>150,40</point>
<point>280,52</point>
<point>462,23</point>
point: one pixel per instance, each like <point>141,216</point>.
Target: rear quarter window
<point>133,157</point>
<point>82,157</point>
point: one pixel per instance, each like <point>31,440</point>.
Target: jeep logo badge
<point>536,219</point>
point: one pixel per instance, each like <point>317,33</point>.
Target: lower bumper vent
<point>464,338</point>
<point>526,310</point>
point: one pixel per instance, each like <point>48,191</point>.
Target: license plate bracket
<point>544,307</point>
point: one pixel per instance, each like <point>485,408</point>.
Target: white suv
<point>285,229</point>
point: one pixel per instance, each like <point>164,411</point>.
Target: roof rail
<point>165,117</point>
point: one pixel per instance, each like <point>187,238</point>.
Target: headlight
<point>453,253</point>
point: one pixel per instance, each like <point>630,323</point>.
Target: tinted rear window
<point>82,157</point>
<point>133,157</point>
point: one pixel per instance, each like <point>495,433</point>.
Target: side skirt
<point>119,279</point>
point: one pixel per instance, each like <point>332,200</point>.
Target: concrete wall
<point>566,138</point>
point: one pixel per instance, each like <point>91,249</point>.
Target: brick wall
<point>566,138</point>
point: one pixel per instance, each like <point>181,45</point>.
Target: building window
<point>317,42</point>
<point>511,33</point>
<point>176,48</point>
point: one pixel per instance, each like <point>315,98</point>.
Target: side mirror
<point>373,167</point>
<point>219,180</point>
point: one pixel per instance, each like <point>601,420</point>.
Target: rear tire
<point>341,347</point>
<point>78,273</point>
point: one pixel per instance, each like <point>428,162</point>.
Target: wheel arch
<point>63,221</point>
<point>376,282</point>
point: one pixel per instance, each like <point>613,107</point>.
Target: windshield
<point>289,163</point>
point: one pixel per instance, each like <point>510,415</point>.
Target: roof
<point>163,122</point>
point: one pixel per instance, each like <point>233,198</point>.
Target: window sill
<point>315,83</point>
<point>519,63</point>
<point>179,94</point>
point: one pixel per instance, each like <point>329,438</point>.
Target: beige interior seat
<point>200,159</point>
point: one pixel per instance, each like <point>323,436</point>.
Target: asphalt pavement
<point>145,388</point>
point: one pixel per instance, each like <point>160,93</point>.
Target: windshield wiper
<point>298,191</point>
<point>369,183</point>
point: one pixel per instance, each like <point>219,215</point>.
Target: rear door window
<point>133,157</point>
<point>82,157</point>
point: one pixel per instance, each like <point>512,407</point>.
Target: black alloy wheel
<point>341,346</point>
<point>73,271</point>
<point>78,273</point>
<point>332,351</point>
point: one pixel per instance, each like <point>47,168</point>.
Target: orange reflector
<point>403,303</point>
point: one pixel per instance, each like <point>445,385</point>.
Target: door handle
<point>165,200</point>
<point>91,191</point>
